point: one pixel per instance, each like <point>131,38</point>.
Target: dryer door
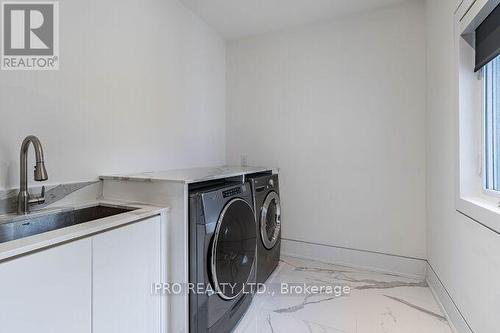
<point>270,220</point>
<point>233,249</point>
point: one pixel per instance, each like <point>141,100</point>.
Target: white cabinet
<point>98,284</point>
<point>126,262</point>
<point>48,291</point>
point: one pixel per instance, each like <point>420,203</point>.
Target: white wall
<point>340,107</point>
<point>141,87</point>
<point>464,254</point>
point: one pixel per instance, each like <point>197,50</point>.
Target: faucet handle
<point>39,199</point>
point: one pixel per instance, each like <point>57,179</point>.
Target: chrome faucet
<point>23,199</point>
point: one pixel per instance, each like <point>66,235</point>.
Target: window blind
<point>488,39</point>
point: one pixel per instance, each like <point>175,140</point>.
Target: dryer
<point>267,206</point>
<point>222,255</point>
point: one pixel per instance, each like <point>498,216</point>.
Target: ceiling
<point>235,19</point>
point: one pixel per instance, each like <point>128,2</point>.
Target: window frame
<point>473,198</point>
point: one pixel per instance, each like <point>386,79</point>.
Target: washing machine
<point>222,256</point>
<point>265,191</point>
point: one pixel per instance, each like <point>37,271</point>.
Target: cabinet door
<point>126,262</point>
<point>47,291</point>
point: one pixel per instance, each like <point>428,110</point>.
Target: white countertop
<point>193,175</point>
<point>36,242</point>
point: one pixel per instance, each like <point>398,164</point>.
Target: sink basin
<point>36,225</point>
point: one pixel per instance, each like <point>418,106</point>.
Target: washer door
<point>270,220</point>
<point>233,249</point>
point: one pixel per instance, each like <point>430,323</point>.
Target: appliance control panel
<point>231,192</point>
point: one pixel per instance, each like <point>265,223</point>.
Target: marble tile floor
<point>372,302</point>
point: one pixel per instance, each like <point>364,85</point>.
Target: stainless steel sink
<point>36,225</point>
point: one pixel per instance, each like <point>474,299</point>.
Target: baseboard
<point>387,263</point>
<point>455,318</point>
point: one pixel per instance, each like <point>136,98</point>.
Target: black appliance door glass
<point>270,220</point>
<point>233,248</point>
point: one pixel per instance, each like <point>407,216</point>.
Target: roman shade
<point>488,39</point>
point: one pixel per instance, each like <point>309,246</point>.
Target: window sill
<point>482,209</point>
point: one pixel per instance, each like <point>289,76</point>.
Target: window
<point>477,190</point>
<point>491,97</point>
